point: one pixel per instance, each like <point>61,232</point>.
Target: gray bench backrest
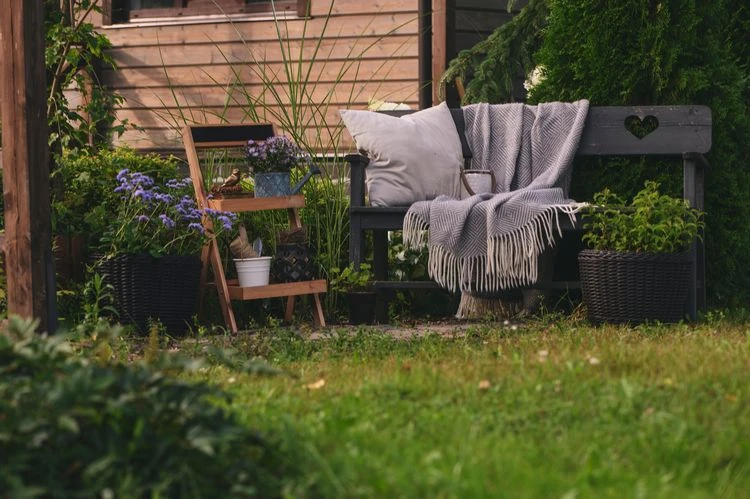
<point>678,130</point>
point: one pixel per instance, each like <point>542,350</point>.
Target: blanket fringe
<point>511,260</point>
<point>414,231</point>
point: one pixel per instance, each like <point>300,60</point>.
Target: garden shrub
<point>632,52</point>
<point>73,427</point>
<point>89,179</point>
<point>660,53</point>
<point>86,202</point>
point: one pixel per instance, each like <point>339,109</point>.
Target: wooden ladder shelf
<point>226,136</point>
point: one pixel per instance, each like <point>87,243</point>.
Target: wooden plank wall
<point>172,74</point>
<point>469,22</point>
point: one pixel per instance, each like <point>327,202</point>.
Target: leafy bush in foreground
<point>70,427</point>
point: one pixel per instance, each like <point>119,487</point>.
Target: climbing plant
<point>74,56</point>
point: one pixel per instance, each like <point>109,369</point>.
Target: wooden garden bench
<point>683,131</point>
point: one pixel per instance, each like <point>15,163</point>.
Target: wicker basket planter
<point>146,288</point>
<point>627,287</point>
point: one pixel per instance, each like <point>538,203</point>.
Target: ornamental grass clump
<point>160,219</point>
<point>651,223</point>
<point>276,154</point>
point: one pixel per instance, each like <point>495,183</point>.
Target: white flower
<point>379,105</point>
<point>536,76</point>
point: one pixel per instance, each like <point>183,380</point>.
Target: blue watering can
<point>314,170</point>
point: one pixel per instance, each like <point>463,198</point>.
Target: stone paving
<point>451,328</point>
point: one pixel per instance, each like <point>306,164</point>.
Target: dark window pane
<point>151,4</point>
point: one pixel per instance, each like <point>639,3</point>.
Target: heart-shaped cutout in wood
<point>641,127</point>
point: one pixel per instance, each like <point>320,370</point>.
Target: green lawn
<point>549,409</point>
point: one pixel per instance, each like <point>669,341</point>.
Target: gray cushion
<point>416,157</point>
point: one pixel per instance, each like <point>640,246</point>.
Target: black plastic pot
<point>361,307</point>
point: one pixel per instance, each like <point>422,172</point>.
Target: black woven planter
<point>145,287</point>
<point>293,263</point>
<point>626,287</point>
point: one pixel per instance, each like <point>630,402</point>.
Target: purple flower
<point>225,221</point>
<point>122,174</point>
<point>278,153</point>
<point>190,214</point>
<point>162,198</point>
<point>167,204</point>
<point>168,222</point>
<point>178,184</point>
<point>196,227</point>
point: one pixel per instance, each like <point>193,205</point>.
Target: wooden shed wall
<point>477,19</point>
<point>171,73</point>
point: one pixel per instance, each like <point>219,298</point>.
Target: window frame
<point>181,11</point>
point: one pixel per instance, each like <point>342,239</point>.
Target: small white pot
<point>253,271</point>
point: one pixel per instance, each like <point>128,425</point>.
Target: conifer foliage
<point>635,52</point>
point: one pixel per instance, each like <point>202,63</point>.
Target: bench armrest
<point>357,165</point>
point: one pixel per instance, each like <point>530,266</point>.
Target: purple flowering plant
<point>275,154</point>
<point>160,219</point>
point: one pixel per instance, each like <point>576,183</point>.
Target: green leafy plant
<point>404,263</point>
<point>651,223</point>
<point>159,219</point>
<point>90,178</point>
<point>489,70</point>
<point>74,52</point>
<point>98,300</point>
<point>350,279</point>
<point>83,426</point>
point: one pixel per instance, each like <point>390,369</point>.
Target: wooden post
<point>439,25</point>
<point>425,54</point>
<point>28,254</point>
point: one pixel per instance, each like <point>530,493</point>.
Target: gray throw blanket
<point>490,242</point>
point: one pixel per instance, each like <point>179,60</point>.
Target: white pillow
<point>415,157</point>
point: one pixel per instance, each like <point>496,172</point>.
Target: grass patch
<point>549,409</point>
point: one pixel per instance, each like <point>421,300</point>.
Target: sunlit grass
<point>548,409</point>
